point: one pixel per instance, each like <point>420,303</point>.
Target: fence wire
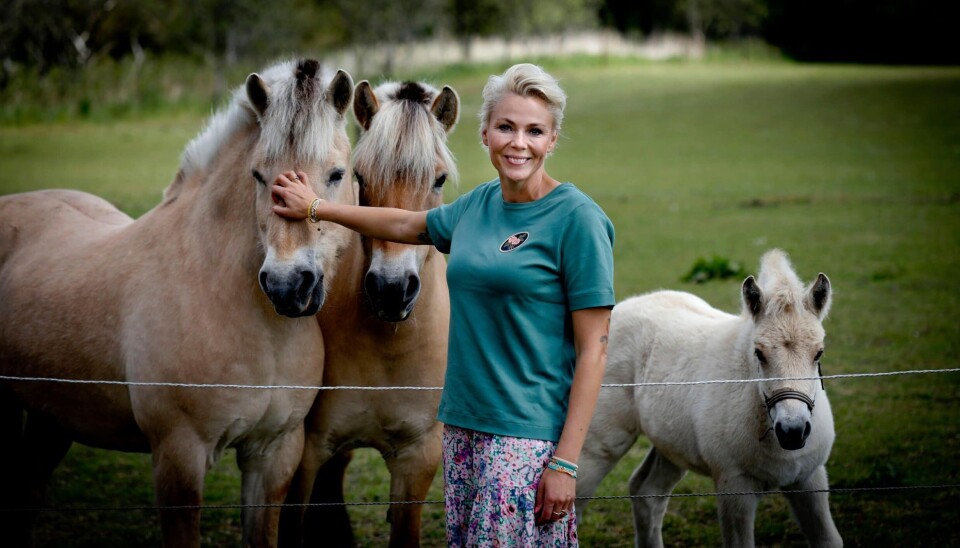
<point>161,384</point>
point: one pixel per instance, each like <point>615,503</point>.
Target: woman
<point>530,274</point>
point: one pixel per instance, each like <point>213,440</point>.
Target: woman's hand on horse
<point>292,195</point>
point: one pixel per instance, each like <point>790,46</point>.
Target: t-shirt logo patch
<point>514,242</point>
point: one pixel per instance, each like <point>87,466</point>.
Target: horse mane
<point>404,140</point>
<point>297,118</point>
<point>782,289</point>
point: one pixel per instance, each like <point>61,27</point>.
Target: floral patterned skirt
<point>490,489</point>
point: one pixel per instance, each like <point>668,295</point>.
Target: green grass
<point>855,171</point>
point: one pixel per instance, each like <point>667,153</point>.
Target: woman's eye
<point>258,177</point>
<point>336,176</point>
<point>760,357</point>
<point>504,127</point>
<point>536,131</point>
<point>358,177</point>
<point>438,184</point>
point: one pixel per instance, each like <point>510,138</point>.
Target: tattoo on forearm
<point>424,237</point>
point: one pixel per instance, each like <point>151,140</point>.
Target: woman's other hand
<point>555,496</point>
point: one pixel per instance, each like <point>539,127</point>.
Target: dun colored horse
<point>749,437</point>
<point>209,287</point>
<point>374,334</point>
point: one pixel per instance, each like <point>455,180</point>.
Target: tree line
<point>42,34</point>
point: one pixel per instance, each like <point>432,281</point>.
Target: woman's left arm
<point>591,328</point>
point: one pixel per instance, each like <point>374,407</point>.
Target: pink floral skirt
<point>490,488</point>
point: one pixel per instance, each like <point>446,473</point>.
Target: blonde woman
<point>530,273</point>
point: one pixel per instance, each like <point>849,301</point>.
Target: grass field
<point>854,171</point>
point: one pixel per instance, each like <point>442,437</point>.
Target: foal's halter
<point>789,394</point>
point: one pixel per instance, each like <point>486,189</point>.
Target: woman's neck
<point>529,190</point>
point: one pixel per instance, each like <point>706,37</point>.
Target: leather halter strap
<point>787,394</point>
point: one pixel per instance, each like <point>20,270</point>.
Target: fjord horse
<point>209,287</point>
<point>385,324</point>
<point>750,436</point>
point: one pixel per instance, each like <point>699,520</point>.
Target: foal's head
<point>401,160</point>
<point>787,342</point>
<point>300,110</point>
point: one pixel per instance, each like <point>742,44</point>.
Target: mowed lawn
<point>854,171</point>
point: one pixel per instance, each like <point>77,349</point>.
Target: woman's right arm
<point>383,223</point>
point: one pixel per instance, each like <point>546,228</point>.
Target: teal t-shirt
<point>515,273</point>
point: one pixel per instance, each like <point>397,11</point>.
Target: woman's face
<point>519,135</point>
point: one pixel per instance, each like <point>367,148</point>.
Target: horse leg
<point>737,512</point>
<point>179,468</point>
<point>411,473</point>
<point>329,525</point>
<point>266,477</point>
<point>656,476</point>
<point>812,510</point>
<point>602,451</point>
<point>42,445</point>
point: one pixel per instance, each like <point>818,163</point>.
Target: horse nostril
<point>370,284</point>
<point>806,430</point>
<point>263,280</point>
<point>308,280</point>
<point>413,287</point>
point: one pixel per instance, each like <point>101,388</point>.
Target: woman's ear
<point>483,137</point>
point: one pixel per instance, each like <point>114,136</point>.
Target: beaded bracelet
<point>312,212</point>
<point>554,466</point>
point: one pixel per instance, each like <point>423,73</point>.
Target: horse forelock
<point>298,121</point>
<point>782,289</point>
<point>405,140</point>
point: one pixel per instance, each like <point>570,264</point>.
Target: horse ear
<point>818,297</point>
<point>258,92</point>
<point>365,104</point>
<point>340,91</point>
<point>752,296</point>
<point>446,107</point>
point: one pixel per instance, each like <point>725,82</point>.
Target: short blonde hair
<point>526,80</point>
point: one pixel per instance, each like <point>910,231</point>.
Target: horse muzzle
<point>293,293</point>
<point>793,429</point>
<point>392,298</point>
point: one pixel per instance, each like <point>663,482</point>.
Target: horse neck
<point>215,212</point>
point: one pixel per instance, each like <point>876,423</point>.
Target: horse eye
<point>760,356</point>
<point>438,184</point>
<point>336,176</point>
<point>258,177</point>
<point>818,356</point>
<point>358,177</point>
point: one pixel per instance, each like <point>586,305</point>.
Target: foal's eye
<point>760,357</point>
<point>358,177</point>
<point>818,356</point>
<point>258,177</point>
<point>335,176</point>
<point>438,184</point>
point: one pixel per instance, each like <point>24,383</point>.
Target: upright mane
<point>782,289</point>
<point>404,140</point>
<point>296,119</point>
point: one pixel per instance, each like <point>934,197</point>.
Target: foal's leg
<point>737,512</point>
<point>266,475</point>
<point>37,453</point>
<point>812,510</point>
<point>294,520</point>
<point>329,525</point>
<point>179,467</point>
<point>655,476</point>
<point>411,473</point>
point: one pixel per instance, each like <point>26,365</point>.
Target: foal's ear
<point>752,296</point>
<point>365,104</point>
<point>446,107</point>
<point>340,91</point>
<point>818,298</point>
<point>258,92</point>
